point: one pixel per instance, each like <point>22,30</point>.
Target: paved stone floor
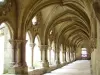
<point>80,67</point>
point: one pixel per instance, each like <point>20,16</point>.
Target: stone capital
<point>64,51</point>
<point>44,47</point>
<point>21,41</point>
<point>49,48</point>
<point>32,45</point>
<point>12,41</point>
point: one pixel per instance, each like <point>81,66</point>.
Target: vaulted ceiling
<point>69,19</point>
<point>72,20</point>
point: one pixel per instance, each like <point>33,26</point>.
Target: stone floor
<point>80,67</point>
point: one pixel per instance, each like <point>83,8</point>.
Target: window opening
<point>61,49</point>
<point>34,20</point>
<point>50,32</point>
<point>28,52</point>
<point>5,49</point>
<point>37,54</point>
<point>84,52</point>
<point>1,0</point>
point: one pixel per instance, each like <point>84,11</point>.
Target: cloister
<point>49,37</point>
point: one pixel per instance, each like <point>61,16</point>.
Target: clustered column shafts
<point>57,56</point>
<point>21,52</point>
<point>19,66</point>
<point>64,56</point>
<point>45,62</point>
<point>13,43</point>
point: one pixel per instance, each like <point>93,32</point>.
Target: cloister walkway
<point>80,67</point>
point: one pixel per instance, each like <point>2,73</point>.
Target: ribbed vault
<point>69,21</point>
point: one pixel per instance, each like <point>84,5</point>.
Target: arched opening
<point>84,53</point>
<point>37,53</point>
<point>1,0</point>
<point>5,49</point>
<point>61,56</point>
<point>34,20</point>
<point>51,54</point>
<point>28,51</point>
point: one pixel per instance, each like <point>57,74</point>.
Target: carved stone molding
<point>44,47</point>
<point>32,45</point>
<point>5,7</point>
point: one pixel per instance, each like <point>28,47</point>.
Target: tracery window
<point>34,20</point>
<point>50,32</point>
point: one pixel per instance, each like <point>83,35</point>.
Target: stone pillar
<point>73,56</point>
<point>20,66</point>
<point>69,55</point>
<point>64,56</point>
<point>57,57</point>
<point>13,43</point>
<point>45,62</point>
<point>32,55</point>
<point>49,59</point>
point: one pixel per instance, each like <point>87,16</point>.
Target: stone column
<point>75,55</point>
<point>32,55</point>
<point>20,66</point>
<point>64,56</point>
<point>13,43</point>
<point>57,57</point>
<point>45,62</point>
<point>69,55</point>
<point>49,59</point>
<point>72,56</point>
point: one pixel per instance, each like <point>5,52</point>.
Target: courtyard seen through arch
<point>33,53</point>
<point>39,37</point>
<point>37,53</point>
<point>28,51</point>
<point>6,55</point>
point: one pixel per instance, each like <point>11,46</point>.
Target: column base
<point>32,67</point>
<point>11,69</point>
<point>19,70</point>
<point>45,64</point>
<point>58,64</point>
<point>64,63</point>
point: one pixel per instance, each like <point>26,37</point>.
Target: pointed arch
<point>37,57</point>
<point>6,34</point>
<point>28,49</point>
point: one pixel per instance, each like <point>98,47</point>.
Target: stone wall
<point>95,55</point>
